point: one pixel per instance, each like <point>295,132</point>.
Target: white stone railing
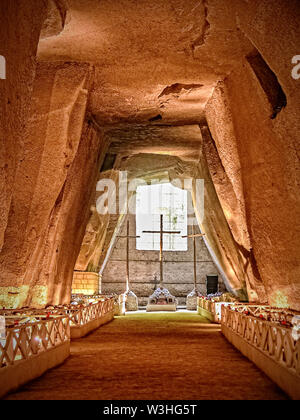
<point>211,309</point>
<point>36,340</point>
<point>25,341</point>
<point>217,310</point>
<point>119,305</point>
<point>255,337</point>
<point>91,312</point>
<point>274,340</point>
<point>205,304</point>
<point>79,315</point>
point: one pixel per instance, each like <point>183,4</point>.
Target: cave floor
<point>160,356</point>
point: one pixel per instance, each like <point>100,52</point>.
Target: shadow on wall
<point>269,83</point>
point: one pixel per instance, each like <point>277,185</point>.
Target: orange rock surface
<point>205,85</point>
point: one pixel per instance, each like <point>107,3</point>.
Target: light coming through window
<point>151,202</point>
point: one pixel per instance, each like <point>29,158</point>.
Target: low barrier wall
<point>31,349</point>
<point>268,345</point>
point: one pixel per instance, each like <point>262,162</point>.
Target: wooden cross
<point>194,236</point>
<point>161,247</point>
<point>127,254</point>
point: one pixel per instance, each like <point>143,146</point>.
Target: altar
<point>161,300</point>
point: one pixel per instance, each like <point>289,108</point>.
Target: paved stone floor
<point>153,356</point>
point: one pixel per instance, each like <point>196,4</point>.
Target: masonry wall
<point>85,283</point>
<point>145,268</point>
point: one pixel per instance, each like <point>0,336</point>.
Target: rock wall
<point>20,27</point>
<point>99,230</point>
<point>53,188</point>
<point>259,153</point>
<point>230,231</point>
<point>219,239</point>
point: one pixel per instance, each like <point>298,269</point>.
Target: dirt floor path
<point>153,356</point>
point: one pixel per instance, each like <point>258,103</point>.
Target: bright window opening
<point>151,202</point>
